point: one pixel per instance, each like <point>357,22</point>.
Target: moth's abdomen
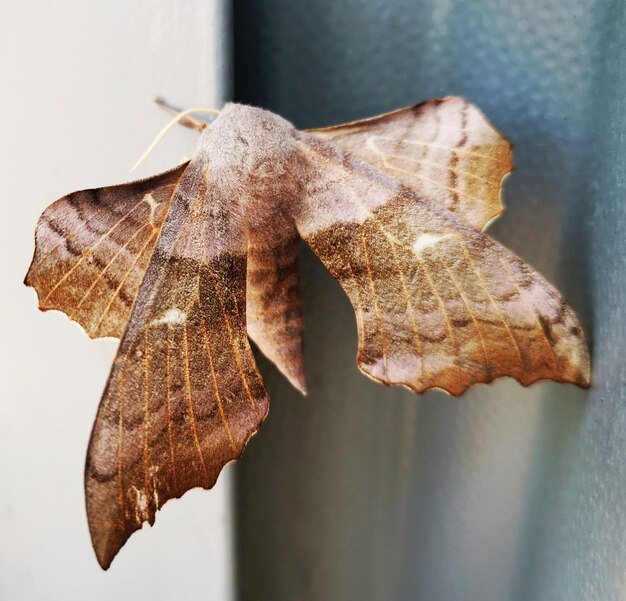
<point>274,316</point>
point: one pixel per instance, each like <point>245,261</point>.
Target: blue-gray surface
<point>362,492</point>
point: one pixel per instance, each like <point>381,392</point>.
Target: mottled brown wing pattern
<point>184,394</point>
<point>92,248</point>
<point>443,149</point>
<point>438,304</point>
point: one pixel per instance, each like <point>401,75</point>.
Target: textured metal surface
<point>362,492</point>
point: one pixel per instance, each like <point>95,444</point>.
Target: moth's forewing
<point>184,394</point>
<point>438,304</point>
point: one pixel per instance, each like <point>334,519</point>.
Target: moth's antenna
<point>169,126</point>
<point>189,121</point>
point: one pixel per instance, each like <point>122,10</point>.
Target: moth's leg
<point>188,120</point>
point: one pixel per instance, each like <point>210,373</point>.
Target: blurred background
<point>358,491</point>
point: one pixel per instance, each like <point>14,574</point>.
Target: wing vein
<point>121,389</point>
<point>146,415</point>
<point>192,417</point>
<point>483,285</point>
<point>234,349</point>
<point>451,149</point>
<point>531,308</point>
<point>106,310</point>
<point>436,184</point>
<point>359,307</point>
<point>418,344</point>
<point>170,434</point>
<point>469,309</point>
<point>442,308</point>
<point>216,392</point>
<point>381,330</point>
<point>87,253</point>
<point>106,267</point>
<point>492,183</point>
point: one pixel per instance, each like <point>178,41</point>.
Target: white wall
<point>77,83</point>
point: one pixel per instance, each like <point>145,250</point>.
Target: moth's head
<point>259,145</point>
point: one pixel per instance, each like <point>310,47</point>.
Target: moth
<point>186,266</point>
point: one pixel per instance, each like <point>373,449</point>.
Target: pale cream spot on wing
<point>155,484</point>
<point>153,204</point>
<point>141,505</point>
<point>426,241</point>
<point>172,317</point>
